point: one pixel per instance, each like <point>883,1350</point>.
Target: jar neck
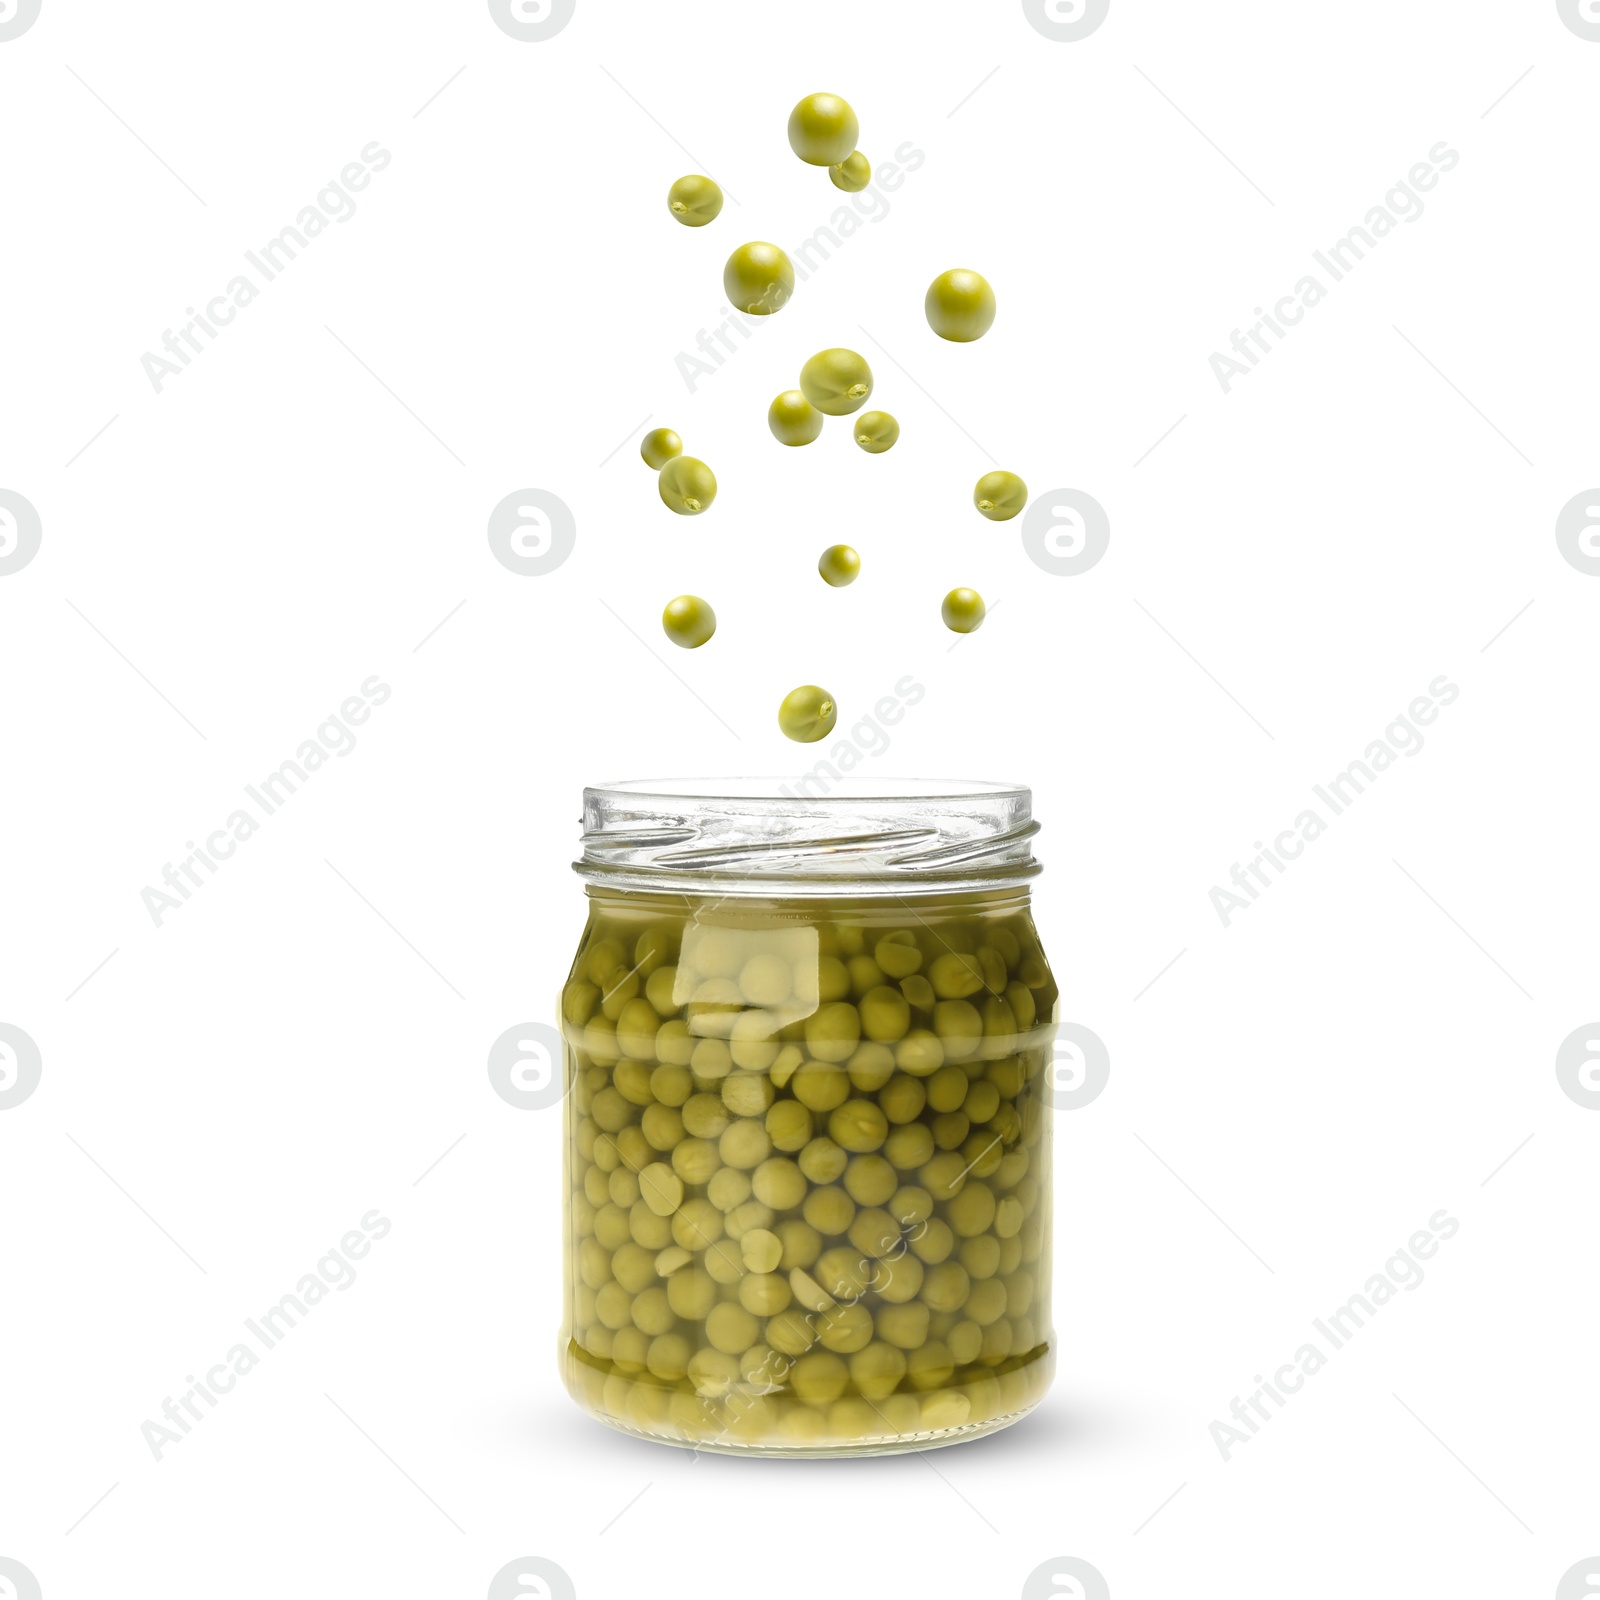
<point>767,839</point>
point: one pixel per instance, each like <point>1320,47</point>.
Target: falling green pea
<point>839,566</point>
<point>694,200</point>
<point>876,431</point>
<point>807,714</point>
<point>688,621</point>
<point>1000,495</point>
<point>658,447</point>
<point>963,611</point>
<point>793,419</point>
<point>687,486</point>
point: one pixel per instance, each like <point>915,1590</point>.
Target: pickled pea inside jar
<point>807,1154</point>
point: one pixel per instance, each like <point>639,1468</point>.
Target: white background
<point>1290,1099</point>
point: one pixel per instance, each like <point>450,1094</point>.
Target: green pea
<point>1000,495</point>
<point>789,1125</point>
<point>836,381</point>
<point>920,1053</point>
<point>876,1369</point>
<point>903,1326</point>
<point>858,1126</point>
<point>653,1232</point>
<point>897,953</point>
<point>960,1029</point>
<point>694,200</point>
<point>822,1160</point>
<point>852,174</point>
<point>899,1280</point>
<point>963,610</point>
<point>972,1210</point>
<point>909,1146</point>
<point>728,1188</point>
<point>982,1100</point>
<point>903,1098</point>
<point>946,1287</point>
<point>832,1033</point>
<point>807,714</point>
<point>960,305</point>
<point>876,431</point>
<point>658,989</point>
<point>871,1066</point>
<point>980,1255</point>
<point>758,279</point>
<point>792,419</point>
<point>731,1329</point>
<point>934,1242</point>
<point>823,130</point>
<point>764,1294</point>
<point>780,1184</point>
<point>871,1180</point>
<point>661,1188</point>
<point>885,1014</point>
<point>845,1328</point>
<point>688,622</point>
<point>659,446</point>
<point>839,565</point>
<point>802,1244</point>
<point>955,976</point>
<point>744,1144</point>
<point>828,1210</point>
<point>687,486</point>
<point>911,1205</point>
<point>790,1332</point>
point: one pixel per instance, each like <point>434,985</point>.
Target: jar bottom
<point>779,1424</point>
<point>900,1444</point>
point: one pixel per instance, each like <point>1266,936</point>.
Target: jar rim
<point>843,790</point>
<point>760,836</point>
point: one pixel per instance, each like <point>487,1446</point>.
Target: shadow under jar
<point>808,1151</point>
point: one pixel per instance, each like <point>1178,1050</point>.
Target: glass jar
<point>808,1151</point>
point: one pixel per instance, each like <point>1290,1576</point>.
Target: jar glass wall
<point>808,1154</point>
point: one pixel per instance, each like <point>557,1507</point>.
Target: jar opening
<point>807,835</point>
